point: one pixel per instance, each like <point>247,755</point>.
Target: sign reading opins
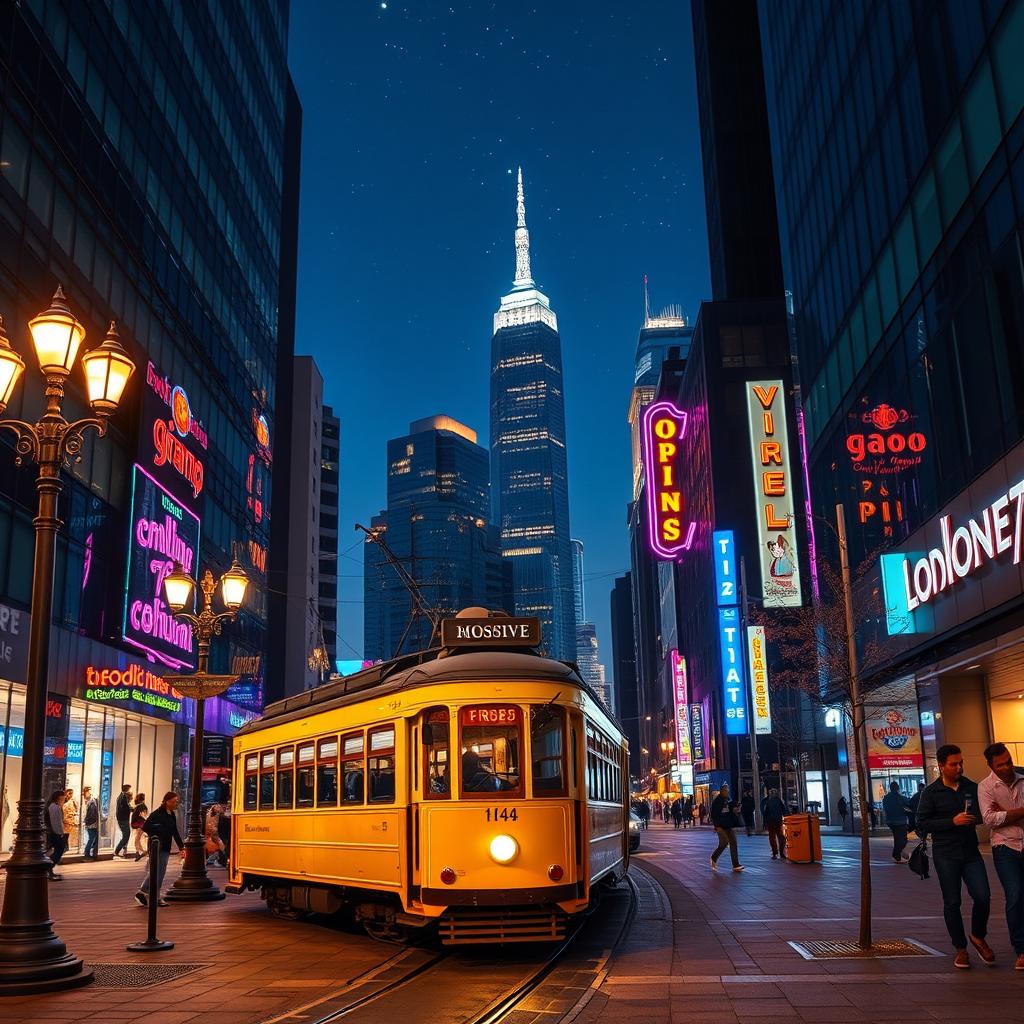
<point>774,494</point>
<point>669,529</point>
<point>759,681</point>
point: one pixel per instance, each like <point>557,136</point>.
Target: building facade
<point>327,584</point>
<point>529,476</point>
<point>175,218</point>
<point>901,225</point>
<point>435,527</point>
<point>624,672</point>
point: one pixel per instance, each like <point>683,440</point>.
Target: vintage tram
<point>478,788</point>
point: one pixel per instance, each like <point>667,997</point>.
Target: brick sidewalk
<point>714,947</point>
<point>254,965</point>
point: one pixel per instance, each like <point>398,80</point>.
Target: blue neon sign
<point>724,548</point>
<point>13,742</point>
<point>734,690</point>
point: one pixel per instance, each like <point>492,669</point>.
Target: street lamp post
<point>33,958</point>
<point>193,884</point>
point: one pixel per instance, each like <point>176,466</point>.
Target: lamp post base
<point>37,976</point>
<point>193,885</point>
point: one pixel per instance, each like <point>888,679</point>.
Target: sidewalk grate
<point>848,949</point>
<point>139,975</point>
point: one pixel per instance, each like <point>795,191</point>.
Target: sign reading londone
<point>669,529</point>
<point>773,492</point>
<point>501,631</point>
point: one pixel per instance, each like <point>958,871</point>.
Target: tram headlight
<point>504,849</point>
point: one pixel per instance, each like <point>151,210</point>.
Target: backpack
<point>918,862</point>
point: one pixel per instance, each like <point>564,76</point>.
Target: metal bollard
<point>152,943</point>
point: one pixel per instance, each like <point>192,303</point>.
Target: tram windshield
<point>491,746</point>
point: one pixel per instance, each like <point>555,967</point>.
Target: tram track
<point>455,986</point>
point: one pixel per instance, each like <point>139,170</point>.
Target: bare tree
<point>821,653</point>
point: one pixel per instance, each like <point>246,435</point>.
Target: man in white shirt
<point>1001,801</point>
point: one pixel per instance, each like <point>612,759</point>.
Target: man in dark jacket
<point>747,810</point>
<point>92,824</point>
<point>163,826</point>
<point>895,806</point>
<point>774,811</point>
<point>123,814</point>
<point>725,819</point>
<point>948,812</point>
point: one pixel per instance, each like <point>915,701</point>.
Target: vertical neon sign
<point>734,697</point>
<point>663,426</point>
<point>679,686</point>
<point>724,548</point>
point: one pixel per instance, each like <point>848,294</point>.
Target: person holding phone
<point>948,812</point>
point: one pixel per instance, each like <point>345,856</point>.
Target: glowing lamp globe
<point>57,335</point>
<point>107,370</point>
<point>179,589</point>
<point>233,585</point>
<point>12,366</point>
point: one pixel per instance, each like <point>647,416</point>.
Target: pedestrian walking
<point>213,844</point>
<point>895,806</point>
<point>912,823</point>
<point>688,812</point>
<point>702,812</point>
<point>949,813</point>
<point>161,825</point>
<point>747,810</point>
<point>844,809</point>
<point>56,838</point>
<point>644,810</point>
<point>91,821</point>
<point>1001,800</point>
<point>726,820</point>
<point>677,813</point>
<point>774,811</point>
<point>123,814</point>
<point>70,811</point>
<point>139,814</point>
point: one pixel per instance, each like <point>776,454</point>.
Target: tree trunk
<point>864,784</point>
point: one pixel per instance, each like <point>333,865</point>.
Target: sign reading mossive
<point>734,695</point>
<point>762,709</point>
<point>669,529</point>
<point>723,544</point>
<point>680,690</point>
<point>773,491</point>
<point>163,532</point>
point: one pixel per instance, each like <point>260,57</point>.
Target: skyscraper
<point>529,479</point>
<point>328,574</point>
<point>436,527</point>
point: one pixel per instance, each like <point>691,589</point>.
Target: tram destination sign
<point>503,631</point>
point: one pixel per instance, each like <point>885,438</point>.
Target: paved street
<point>703,947</point>
<point>714,947</point>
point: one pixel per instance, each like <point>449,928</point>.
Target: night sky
<point>415,116</point>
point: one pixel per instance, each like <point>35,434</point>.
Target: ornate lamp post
<point>32,956</point>
<point>193,884</point>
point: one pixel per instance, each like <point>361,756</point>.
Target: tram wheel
<point>285,911</point>
<point>382,931</point>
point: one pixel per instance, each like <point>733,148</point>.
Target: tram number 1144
<point>502,814</point>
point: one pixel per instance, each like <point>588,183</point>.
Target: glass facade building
<point>148,163</point>
<point>436,526</point>
<point>529,476</point>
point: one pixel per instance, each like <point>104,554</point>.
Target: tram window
<point>491,745</point>
<point>327,773</point>
<point>252,763</point>
<point>435,753</point>
<point>285,778</point>
<point>547,727</point>
<point>267,780</point>
<point>306,776</point>
<point>381,765</point>
<point>352,768</point>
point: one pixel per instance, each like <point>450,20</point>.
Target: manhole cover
<point>139,975</point>
<point>848,949</point>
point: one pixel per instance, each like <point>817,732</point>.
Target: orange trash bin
<point>803,837</point>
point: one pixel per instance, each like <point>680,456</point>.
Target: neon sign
<point>663,427</point>
<point>734,698</point>
<point>679,687</point>
<point>178,440</point>
<point>162,532</point>
<point>967,548</point>
<point>773,489</point>
<point>724,546</point>
<point>697,731</point>
<point>759,681</point>
<point>885,451</point>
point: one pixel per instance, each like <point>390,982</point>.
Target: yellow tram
<point>478,787</point>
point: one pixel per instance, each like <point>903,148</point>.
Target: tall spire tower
<point>529,478</point>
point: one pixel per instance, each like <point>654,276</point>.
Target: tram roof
<point>423,668</point>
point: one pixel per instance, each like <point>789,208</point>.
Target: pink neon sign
<point>682,708</point>
<point>662,428</point>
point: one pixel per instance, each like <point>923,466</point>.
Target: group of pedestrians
<point>682,812</point>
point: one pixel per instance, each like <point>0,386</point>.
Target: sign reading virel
<point>773,491</point>
<point>163,532</point>
<point>759,680</point>
<point>679,686</point>
<point>966,549</point>
<point>669,531</point>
